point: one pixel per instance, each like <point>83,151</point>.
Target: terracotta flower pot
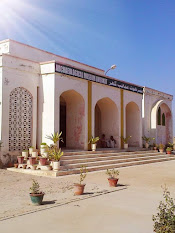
<point>79,189</point>
<point>32,160</point>
<point>112,182</point>
<point>20,159</point>
<point>146,145</point>
<point>16,165</point>
<point>43,161</point>
<point>37,198</point>
<point>168,152</point>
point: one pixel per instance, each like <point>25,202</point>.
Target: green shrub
<point>164,220</point>
<point>35,188</point>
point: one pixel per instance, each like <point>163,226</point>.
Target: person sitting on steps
<point>111,143</point>
<point>103,141</point>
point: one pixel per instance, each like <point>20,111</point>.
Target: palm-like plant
<point>55,153</point>
<point>93,140</point>
<point>55,137</point>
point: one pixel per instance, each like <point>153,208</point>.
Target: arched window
<point>159,116</point>
<point>163,119</point>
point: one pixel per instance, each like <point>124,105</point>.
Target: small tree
<point>83,173</point>
<point>35,188</point>
<point>112,173</point>
<point>164,220</point>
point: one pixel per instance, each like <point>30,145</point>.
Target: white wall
<point>18,73</point>
<point>4,47</point>
<point>152,98</point>
<point>28,52</point>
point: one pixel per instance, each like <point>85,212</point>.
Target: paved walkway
<point>127,208</point>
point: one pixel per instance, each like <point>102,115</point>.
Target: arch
<point>20,119</point>
<point>163,131</point>
<point>133,122</point>
<point>154,117</point>
<point>72,119</point>
<point>107,119</point>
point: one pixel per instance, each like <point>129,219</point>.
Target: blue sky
<point>136,35</point>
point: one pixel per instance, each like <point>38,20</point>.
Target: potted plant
<point>55,137</point>
<point>125,141</point>
<point>161,147</point>
<point>43,160</point>
<point>55,154</point>
<point>93,142</point>
<point>113,174</point>
<point>171,145</point>
<point>20,159</point>
<point>25,154</point>
<point>31,149</point>
<point>147,140</point>
<point>155,146</point>
<point>79,187</point>
<point>35,194</point>
<point>168,150</point>
<point>35,154</point>
<point>43,147</point>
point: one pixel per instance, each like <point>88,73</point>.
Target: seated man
<point>103,141</point>
<point>112,142</point>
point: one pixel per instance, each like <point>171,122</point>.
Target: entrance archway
<point>72,110</point>
<point>107,119</point>
<point>133,124</point>
<point>164,124</point>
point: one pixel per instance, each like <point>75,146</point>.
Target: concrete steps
<point>107,157</point>
<point>102,160</point>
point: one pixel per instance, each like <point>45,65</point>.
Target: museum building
<point>42,93</point>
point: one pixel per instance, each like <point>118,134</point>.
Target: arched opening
<point>72,110</point>
<point>164,131</point>
<point>133,124</point>
<point>20,119</point>
<point>107,119</point>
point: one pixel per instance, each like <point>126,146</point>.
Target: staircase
<point>71,162</point>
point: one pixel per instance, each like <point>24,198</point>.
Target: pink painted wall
<point>133,124</point>
<point>109,119</point>
<point>75,110</point>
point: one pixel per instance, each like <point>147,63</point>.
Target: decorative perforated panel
<point>20,119</point>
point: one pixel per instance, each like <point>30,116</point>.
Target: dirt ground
<point>127,208</point>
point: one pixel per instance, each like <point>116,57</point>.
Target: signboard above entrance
<point>96,78</point>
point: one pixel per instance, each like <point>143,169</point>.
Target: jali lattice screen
<point>20,119</point>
